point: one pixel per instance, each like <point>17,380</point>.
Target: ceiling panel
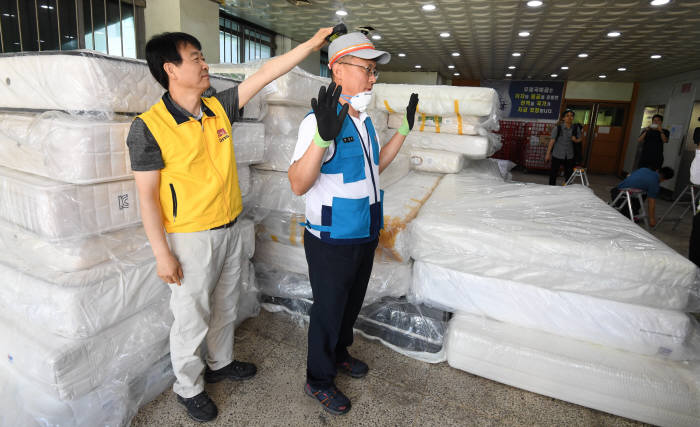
<point>485,32</point>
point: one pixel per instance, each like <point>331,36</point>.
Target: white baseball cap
<point>358,45</point>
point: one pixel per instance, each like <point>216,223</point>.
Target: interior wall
<point>603,91</point>
<point>311,64</point>
<point>410,77</point>
<point>161,16</point>
<point>678,93</point>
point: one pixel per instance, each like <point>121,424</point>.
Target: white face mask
<point>359,102</point>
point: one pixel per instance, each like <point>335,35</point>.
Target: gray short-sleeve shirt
<point>563,145</point>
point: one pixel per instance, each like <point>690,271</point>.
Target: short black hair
<point>568,110</point>
<point>666,172</point>
<point>657,115</point>
<point>162,48</point>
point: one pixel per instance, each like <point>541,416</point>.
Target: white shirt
<point>329,185</point>
<point>695,169</point>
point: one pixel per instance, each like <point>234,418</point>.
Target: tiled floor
<point>398,390</point>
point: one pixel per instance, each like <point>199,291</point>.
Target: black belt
<point>229,225</point>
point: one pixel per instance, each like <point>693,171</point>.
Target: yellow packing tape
<point>386,104</point>
<point>422,122</point>
<point>459,118</point>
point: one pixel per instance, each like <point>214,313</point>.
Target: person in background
<point>336,164</point>
<point>561,149</point>
<point>653,139</point>
<point>647,180</point>
<point>182,154</point>
<point>694,248</point>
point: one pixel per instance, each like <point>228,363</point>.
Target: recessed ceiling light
<point>564,67</point>
<point>516,53</point>
<point>376,37</point>
<point>614,34</point>
<point>417,66</point>
<point>511,67</point>
<point>524,34</point>
<point>509,75</point>
<point>341,13</point>
<point>622,69</point>
<point>428,7</point>
<point>659,2</point>
<point>602,76</point>
<point>450,67</point>
<point>455,74</point>
<point>444,34</point>
<point>534,3</point>
<point>655,57</point>
<point>455,53</point>
<point>554,75</point>
<point>402,55</point>
<point>583,55</point>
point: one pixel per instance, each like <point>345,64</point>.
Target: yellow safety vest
<point>199,183</point>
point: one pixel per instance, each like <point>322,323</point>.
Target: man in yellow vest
<point>182,154</point>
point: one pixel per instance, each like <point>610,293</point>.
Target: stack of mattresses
<point>84,319</point>
<point>559,294</point>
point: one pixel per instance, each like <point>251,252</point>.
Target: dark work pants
<point>554,172</point>
<point>694,252</point>
<point>339,275</point>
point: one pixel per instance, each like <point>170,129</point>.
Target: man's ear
<point>169,69</point>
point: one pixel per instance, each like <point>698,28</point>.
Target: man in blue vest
<point>336,164</point>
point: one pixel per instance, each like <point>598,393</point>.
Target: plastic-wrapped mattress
<point>644,388</point>
<point>273,191</point>
<point>82,303</point>
<point>68,369</point>
<point>282,271</point>
<point>71,148</point>
<point>245,180</point>
<point>429,125</point>
<point>281,132</point>
<point>473,147</point>
<point>560,238</point>
<point>397,170</point>
<point>55,210</point>
<point>438,161</point>
<point>248,142</point>
<point>80,80</point>
<point>402,201</point>
<point>113,403</point>
<point>437,99</point>
<point>635,328</point>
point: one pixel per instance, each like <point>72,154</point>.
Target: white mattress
<point>473,147</point>
<point>68,369</point>
<point>560,238</point>
<point>296,87</point>
<point>635,328</point>
<point>437,99</point>
<point>82,303</point>
<point>69,254</point>
<point>80,80</point>
<point>402,201</point>
<point>397,170</point>
<point>438,161</point>
<point>245,181</point>
<point>286,272</point>
<point>497,169</point>
<point>469,125</point>
<point>281,132</point>
<point>56,210</point>
<point>380,120</point>
<point>639,387</point>
<point>273,192</point>
<point>71,148</point>
<point>248,142</point>
<point>113,403</point>
<point>281,227</point>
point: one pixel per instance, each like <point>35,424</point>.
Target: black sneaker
<point>353,367</point>
<point>233,371</point>
<point>200,407</point>
<point>332,399</point>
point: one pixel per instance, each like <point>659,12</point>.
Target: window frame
<point>241,33</point>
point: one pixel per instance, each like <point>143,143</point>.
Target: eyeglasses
<point>368,69</point>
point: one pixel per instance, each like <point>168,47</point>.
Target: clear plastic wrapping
<point>634,328</point>
<point>560,238</point>
<point>273,191</point>
<point>281,133</point>
<point>397,170</point>
<point>438,161</point>
<point>489,168</point>
<point>413,330</point>
<point>402,202</point>
<point>56,210</point>
<point>288,277</point>
<point>245,181</point>
<point>78,304</point>
<point>80,80</point>
<point>462,126</point>
<point>113,403</point>
<point>68,369</point>
<point>281,227</point>
<point>248,142</point>
<point>80,149</point>
<point>473,147</point>
<point>643,388</point>
<point>380,121</point>
<point>437,99</point>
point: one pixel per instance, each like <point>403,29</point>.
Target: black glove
<point>411,110</point>
<point>328,121</point>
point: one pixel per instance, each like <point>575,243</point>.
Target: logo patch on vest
<point>222,134</point>
<point>348,139</point>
